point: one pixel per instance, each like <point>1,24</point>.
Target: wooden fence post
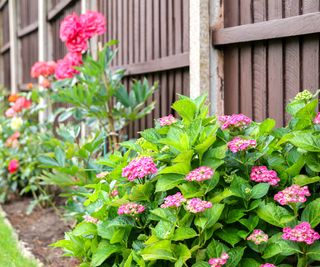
<point>14,71</point>
<point>199,47</point>
<point>43,42</point>
<point>216,61</point>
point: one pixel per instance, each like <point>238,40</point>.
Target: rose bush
<point>22,139</point>
<point>201,191</point>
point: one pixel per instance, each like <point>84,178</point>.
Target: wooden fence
<point>5,44</point>
<point>153,36</point>
<point>271,52</point>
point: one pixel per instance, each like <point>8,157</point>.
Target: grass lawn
<point>10,256</point>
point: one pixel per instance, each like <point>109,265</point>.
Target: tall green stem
<point>302,261</point>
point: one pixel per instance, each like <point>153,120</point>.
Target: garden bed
<point>38,230</point>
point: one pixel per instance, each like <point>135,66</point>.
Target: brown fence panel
<point>271,52</point>
<point>5,44</point>
<point>153,43</point>
<point>28,35</point>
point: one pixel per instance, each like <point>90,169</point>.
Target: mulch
<point>38,230</point>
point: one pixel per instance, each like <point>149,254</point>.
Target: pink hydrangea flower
<point>239,144</point>
<point>200,174</point>
<point>316,120</point>
<point>131,209</point>
<point>196,205</point>
<point>301,233</point>
<point>93,23</point>
<point>88,218</point>
<point>70,27</point>
<point>292,194</point>
<point>102,175</point>
<point>218,262</point>
<point>65,67</point>
<point>261,174</point>
<point>174,201</point>
<point>268,265</point>
<point>234,121</point>
<point>258,237</point>
<point>114,193</point>
<point>139,168</point>
<point>167,120</point>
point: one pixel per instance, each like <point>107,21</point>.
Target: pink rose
<point>93,23</point>
<point>44,69</point>
<point>65,67</point>
<point>77,44</point>
<point>75,59</point>
<point>10,113</point>
<point>21,103</point>
<point>13,166</point>
<point>70,27</point>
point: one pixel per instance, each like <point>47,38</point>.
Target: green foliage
<point>176,237</point>
<point>29,143</point>
<point>98,97</point>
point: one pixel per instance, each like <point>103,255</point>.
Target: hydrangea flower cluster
<point>261,174</point>
<point>174,201</point>
<point>218,262</point>
<point>292,194</point>
<point>316,120</point>
<point>258,237</point>
<point>131,209</point>
<point>239,144</point>
<point>13,166</point>
<point>234,121</point>
<point>19,104</point>
<point>102,175</point>
<point>114,193</point>
<point>167,120</point>
<point>75,32</point>
<point>139,168</point>
<point>304,95</point>
<point>268,265</point>
<point>301,233</point>
<point>90,219</point>
<point>200,174</point>
<point>196,205</point>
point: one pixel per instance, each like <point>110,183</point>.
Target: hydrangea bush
<point>200,191</point>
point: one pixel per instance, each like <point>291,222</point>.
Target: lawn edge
<point>25,251</point>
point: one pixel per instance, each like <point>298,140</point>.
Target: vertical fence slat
<point>292,58</point>
<point>310,52</point>
<point>231,57</point>
<point>259,66</point>
<point>275,68</point>
<point>245,64</point>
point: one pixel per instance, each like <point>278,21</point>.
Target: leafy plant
<point>99,98</point>
<point>198,189</point>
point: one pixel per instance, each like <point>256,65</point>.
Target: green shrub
<point>239,190</point>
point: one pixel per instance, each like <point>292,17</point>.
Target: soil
<point>38,230</point>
